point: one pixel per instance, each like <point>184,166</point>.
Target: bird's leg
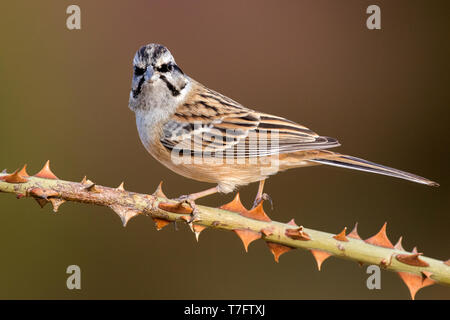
<point>190,199</point>
<point>261,196</point>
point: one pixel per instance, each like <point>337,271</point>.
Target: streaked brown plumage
<point>175,113</point>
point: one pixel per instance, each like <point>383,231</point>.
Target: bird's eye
<point>165,68</point>
<point>139,71</point>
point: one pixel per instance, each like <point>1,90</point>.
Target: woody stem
<point>281,233</point>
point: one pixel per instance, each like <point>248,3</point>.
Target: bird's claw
<point>263,197</point>
<point>187,199</point>
<point>194,215</point>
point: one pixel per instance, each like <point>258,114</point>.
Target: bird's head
<point>156,78</point>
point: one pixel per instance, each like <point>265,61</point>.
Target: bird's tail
<point>341,160</point>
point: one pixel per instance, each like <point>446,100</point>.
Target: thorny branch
<point>416,270</point>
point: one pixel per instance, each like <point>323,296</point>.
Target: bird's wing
<point>213,123</point>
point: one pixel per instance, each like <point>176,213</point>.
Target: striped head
<point>157,80</point>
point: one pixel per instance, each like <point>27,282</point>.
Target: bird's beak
<point>148,74</point>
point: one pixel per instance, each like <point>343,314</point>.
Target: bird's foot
<point>262,198</point>
<point>191,202</point>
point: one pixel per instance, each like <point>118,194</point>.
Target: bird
<point>204,135</point>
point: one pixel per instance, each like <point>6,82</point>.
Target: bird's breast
<point>149,125</point>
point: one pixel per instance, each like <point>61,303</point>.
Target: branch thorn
<point>257,213</point>
<point>45,172</point>
<point>341,236</point>
<point>159,192</point>
<point>41,202</point>
<point>320,256</point>
<point>354,234</point>
<point>398,245</point>
<point>415,282</point>
<point>160,223</point>
<point>86,181</point>
<point>92,188</point>
<point>56,203</point>
<point>277,249</point>
<point>125,214</point>
<point>247,236</point>
<point>380,239</point>
<point>18,176</point>
<point>121,187</point>
<point>197,229</point>
<point>235,205</point>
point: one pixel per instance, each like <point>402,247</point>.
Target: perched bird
<point>206,136</point>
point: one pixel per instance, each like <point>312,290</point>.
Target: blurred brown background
<point>63,96</point>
